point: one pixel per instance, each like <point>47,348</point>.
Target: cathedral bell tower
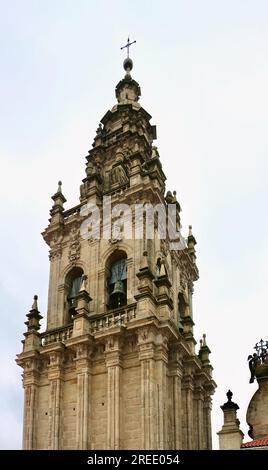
<point>116,367</point>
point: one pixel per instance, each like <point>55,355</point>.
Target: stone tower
<point>116,367</point>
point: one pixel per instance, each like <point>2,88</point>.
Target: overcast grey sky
<point>203,70</point>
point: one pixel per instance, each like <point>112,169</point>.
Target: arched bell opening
<point>72,286</point>
<point>117,280</point>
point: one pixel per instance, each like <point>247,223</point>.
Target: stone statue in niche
<point>118,175</point>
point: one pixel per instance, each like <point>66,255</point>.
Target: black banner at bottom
<point>119,459</point>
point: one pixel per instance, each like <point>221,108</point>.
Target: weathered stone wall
<point>42,417</point>
<point>131,408</point>
<point>99,411</point>
<point>68,415</point>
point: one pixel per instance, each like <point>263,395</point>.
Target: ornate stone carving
<point>83,351</point>
<point>55,245</point>
<point>75,245</point>
<point>117,232</point>
<point>144,335</point>
<point>55,253</point>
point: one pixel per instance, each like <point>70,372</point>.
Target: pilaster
<point>161,360</point>
<point>148,397</point>
<point>113,358</point>
<point>30,384</point>
<point>198,414</point>
<point>176,372</point>
<point>54,293</point>
<point>84,380</point>
<point>188,388</point>
<point>207,422</point>
<point>55,377</point>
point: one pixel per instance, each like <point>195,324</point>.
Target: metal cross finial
<point>262,349</point>
<point>128,46</point>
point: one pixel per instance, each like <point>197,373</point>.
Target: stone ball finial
<point>229,395</point>
<point>59,186</point>
<point>128,64</point>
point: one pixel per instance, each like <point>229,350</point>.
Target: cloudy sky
<point>203,71</point>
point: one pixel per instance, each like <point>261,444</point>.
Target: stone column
<point>175,371</point>
<point>147,408</point>
<point>113,356</point>
<point>188,387</point>
<point>161,359</point>
<point>207,422</point>
<point>28,419</point>
<point>53,318</point>
<point>55,397</point>
<point>149,418</point>
<point>30,383</point>
<point>198,415</point>
<point>83,367</point>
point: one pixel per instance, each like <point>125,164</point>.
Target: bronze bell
<point>118,296</point>
<point>118,288</point>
